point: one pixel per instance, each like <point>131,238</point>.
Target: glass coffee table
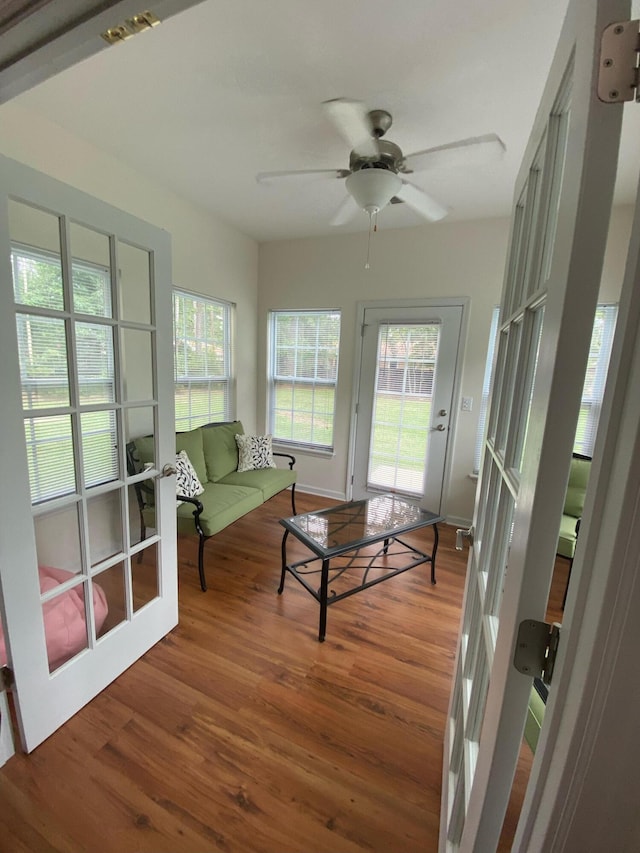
<point>344,540</point>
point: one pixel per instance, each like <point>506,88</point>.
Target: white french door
<point>408,366</point>
<point>559,228</point>
<point>85,331</point>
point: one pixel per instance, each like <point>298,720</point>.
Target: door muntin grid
<point>532,245</point>
<point>75,434</point>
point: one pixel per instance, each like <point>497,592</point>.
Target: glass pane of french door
<point>405,370</point>
<point>86,329</point>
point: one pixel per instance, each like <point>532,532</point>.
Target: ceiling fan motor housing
<point>390,157</point>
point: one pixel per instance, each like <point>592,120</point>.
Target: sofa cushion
<point>567,537</point>
<point>145,445</point>
<point>577,486</point>
<point>190,442</point>
<point>220,449</point>
<point>270,481</point>
<point>222,506</point>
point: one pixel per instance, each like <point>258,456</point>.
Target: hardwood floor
<point>239,732</point>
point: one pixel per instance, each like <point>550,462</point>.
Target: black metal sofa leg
<point>203,581</point>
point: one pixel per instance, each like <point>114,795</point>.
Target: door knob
<point>439,428</point>
<point>442,413</point>
<point>167,471</point>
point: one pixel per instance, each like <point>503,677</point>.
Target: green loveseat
<point>228,494</point>
<point>572,511</point>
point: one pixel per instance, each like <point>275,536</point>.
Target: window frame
<point>313,382</point>
<point>227,378</point>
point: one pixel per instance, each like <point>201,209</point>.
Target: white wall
<point>209,256</point>
<point>444,260</point>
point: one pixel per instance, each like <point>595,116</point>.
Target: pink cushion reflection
<point>64,619</point>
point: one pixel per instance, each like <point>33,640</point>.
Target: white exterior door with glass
<point>85,331</point>
<point>408,366</point>
<point>559,229</point>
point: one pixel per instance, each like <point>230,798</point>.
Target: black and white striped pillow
<point>187,482</point>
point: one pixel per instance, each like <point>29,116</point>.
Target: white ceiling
<point>230,88</point>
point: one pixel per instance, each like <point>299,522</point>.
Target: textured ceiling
<point>230,88</point>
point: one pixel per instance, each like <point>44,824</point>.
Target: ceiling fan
<point>377,166</point>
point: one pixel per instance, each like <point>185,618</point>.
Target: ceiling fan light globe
<point>373,189</point>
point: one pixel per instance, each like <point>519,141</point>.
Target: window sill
<point>303,449</point>
<point>473,477</point>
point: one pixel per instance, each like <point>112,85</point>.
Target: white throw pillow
<point>254,452</point>
<point>187,482</point>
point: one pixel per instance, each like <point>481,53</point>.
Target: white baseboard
<point>323,493</point>
<point>456,521</point>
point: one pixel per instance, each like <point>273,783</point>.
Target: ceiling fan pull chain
<point>366,266</point>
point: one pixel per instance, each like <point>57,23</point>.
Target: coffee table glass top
<point>348,526</point>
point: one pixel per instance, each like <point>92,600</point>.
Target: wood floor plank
<point>240,733</point>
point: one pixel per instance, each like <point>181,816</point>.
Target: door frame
<point>444,302</point>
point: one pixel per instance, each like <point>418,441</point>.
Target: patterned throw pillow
<point>187,482</point>
<point>254,451</point>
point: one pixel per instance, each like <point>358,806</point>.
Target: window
<point>595,379</point>
<point>202,360</point>
<point>303,375</point>
<point>486,387</point>
<point>592,393</point>
<point>43,348</point>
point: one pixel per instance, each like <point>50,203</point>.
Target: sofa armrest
<point>292,459</point>
<point>199,509</point>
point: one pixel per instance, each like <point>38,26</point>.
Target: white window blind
<point>593,390</point>
<point>303,360</point>
<point>43,349</point>
<point>486,387</point>
<point>595,378</point>
<point>202,360</point>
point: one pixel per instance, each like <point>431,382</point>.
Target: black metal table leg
<point>324,586</point>
<point>385,547</point>
<point>284,561</point>
<point>433,553</point>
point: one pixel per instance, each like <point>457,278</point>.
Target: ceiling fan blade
<point>422,203</point>
<point>351,119</point>
<point>475,151</point>
<point>346,211</point>
<point>302,174</point>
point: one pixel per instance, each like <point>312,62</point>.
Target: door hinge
<point>618,77</point>
<point>6,678</point>
<point>462,534</point>
<point>536,649</point>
